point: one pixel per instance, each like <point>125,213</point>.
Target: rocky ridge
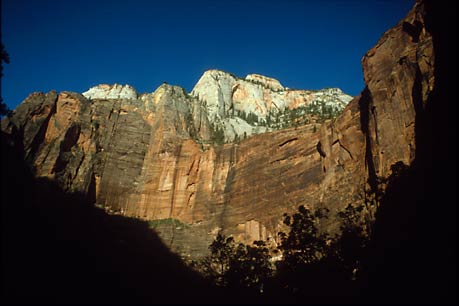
<point>237,108</point>
<point>154,157</point>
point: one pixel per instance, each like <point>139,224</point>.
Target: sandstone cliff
<point>152,156</point>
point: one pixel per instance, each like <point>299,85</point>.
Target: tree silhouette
<point>302,270</point>
<point>215,266</point>
<point>250,266</point>
<point>246,267</point>
<point>222,249</point>
<point>5,58</point>
<point>349,248</point>
<point>303,244</point>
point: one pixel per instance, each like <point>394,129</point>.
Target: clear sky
<point>76,44</point>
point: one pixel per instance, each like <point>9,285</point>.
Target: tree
<point>268,120</point>
<point>304,267</point>
<point>349,248</point>
<point>5,58</point>
<point>218,135</point>
<point>4,110</point>
<point>221,252</point>
<point>241,114</point>
<point>303,244</point>
<point>250,266</point>
<point>252,118</point>
<point>238,267</point>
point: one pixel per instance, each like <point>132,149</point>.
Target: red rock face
<point>399,76</point>
<point>140,158</point>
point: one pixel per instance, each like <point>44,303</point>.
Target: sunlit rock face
<point>154,156</point>
<point>259,104</point>
<point>115,91</point>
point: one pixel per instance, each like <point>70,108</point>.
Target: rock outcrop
<point>259,104</point>
<point>152,156</point>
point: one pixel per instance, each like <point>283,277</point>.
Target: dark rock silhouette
<point>412,257</point>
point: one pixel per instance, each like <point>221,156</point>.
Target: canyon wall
<point>152,156</point>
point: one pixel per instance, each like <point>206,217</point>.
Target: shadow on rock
<point>58,248</point>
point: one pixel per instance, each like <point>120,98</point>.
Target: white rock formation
<point>215,89</point>
<point>116,91</point>
<point>226,97</point>
<point>224,93</point>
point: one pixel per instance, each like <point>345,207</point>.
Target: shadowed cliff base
<point>57,248</point>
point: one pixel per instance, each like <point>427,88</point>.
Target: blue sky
<point>74,45</point>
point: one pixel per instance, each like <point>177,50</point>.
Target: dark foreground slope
<point>58,248</point>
